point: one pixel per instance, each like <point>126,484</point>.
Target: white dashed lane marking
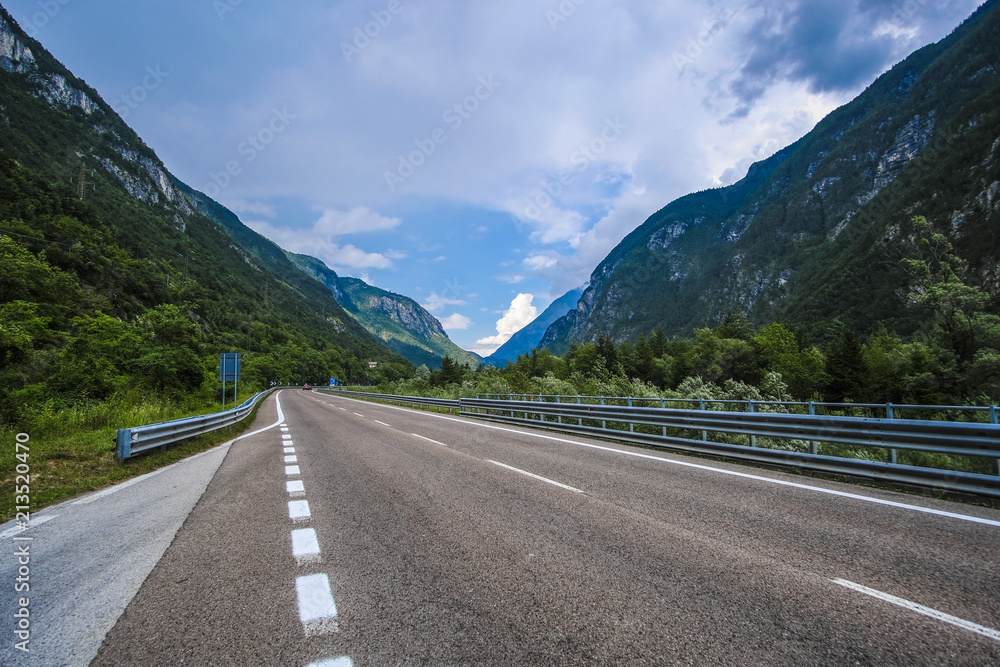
<point>317,610</point>
<point>292,470</point>
<point>342,661</point>
<point>298,511</point>
<point>417,435</point>
<point>305,546</point>
<point>921,609</point>
<point>534,476</point>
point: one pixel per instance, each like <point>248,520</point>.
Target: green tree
<point>802,367</point>
<point>845,366</point>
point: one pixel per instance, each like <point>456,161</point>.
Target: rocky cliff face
<point>402,310</point>
<point>14,55</point>
<point>807,235</point>
<point>139,171</point>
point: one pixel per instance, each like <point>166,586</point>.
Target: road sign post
<point>229,370</point>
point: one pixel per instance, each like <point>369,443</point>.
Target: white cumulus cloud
<point>519,315</point>
<point>320,240</point>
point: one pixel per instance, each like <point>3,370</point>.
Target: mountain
<point>527,339</point>
<point>814,232</point>
<point>117,276</point>
<point>398,321</point>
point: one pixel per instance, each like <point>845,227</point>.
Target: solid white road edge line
<point>780,482</point>
<point>538,477</point>
<point>921,609</point>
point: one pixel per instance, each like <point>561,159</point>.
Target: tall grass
<point>71,450</point>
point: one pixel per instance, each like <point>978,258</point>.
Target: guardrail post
<point>890,415</point>
<point>753,438</point>
<point>579,420</point>
<point>663,406</point>
<point>604,422</point>
<point>558,417</point>
<point>631,425</point>
<point>704,434</point>
<point>813,447</point>
<point>993,420</point>
<point>123,445</point>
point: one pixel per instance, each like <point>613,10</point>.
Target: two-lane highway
<point>440,540</point>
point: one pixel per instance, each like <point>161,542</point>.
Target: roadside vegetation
<point>71,450</point>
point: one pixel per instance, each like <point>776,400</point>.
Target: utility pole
<point>81,185</point>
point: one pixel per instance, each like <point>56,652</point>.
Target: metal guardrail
<point>679,430</point>
<point>139,439</point>
<point>451,404</point>
<point>889,410</point>
<point>674,426</point>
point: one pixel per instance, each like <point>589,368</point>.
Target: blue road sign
<point>229,366</point>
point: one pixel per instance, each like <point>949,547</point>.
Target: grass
<point>71,451</point>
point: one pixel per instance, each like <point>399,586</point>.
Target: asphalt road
<point>400,537</point>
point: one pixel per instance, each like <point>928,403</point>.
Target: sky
<point>479,157</point>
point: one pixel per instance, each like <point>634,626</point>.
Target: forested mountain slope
<point>117,276</point>
<point>818,232</point>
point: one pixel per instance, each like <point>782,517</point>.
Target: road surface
<point>354,533</point>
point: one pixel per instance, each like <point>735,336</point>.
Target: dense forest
<point>85,317</point>
<point>953,360</point>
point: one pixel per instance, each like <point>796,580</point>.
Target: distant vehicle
<point>306,387</point>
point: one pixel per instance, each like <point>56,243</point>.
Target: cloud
<point>436,302</point>
<point>540,262</point>
<point>830,45</point>
<point>511,278</point>
<point>251,207</point>
<point>352,257</point>
<point>358,220</point>
<point>520,314</point>
<point>319,240</point>
<point>309,242</point>
<point>456,321</point>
